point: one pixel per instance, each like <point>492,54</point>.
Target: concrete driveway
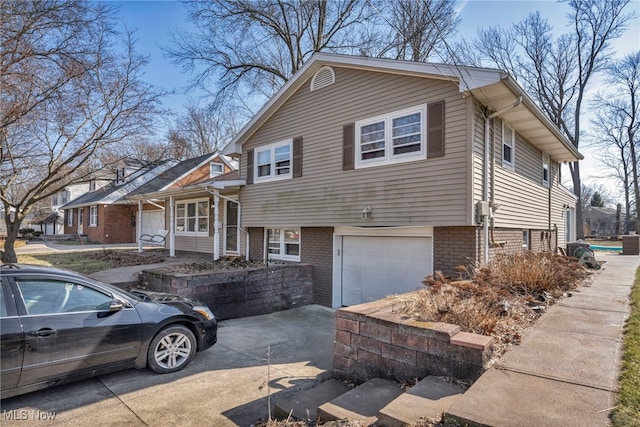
<point>227,385</point>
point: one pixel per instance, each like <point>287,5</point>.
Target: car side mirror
<point>114,306</point>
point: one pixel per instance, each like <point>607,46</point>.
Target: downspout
<point>487,179</point>
<point>172,227</point>
<point>139,227</point>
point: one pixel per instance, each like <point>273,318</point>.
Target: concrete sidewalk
<point>565,372</point>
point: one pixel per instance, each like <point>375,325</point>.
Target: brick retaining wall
<point>239,293</point>
<point>371,341</point>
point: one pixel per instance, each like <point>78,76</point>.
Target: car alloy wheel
<point>172,349</point>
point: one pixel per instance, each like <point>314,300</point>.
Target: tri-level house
<point>380,172</point>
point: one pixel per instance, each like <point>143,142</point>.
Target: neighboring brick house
<point>380,172</point>
<point>105,214</point>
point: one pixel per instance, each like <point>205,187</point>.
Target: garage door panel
<point>374,267</point>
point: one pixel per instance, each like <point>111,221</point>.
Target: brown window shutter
<point>435,130</point>
<point>348,146</point>
<point>250,166</point>
<point>297,157</point>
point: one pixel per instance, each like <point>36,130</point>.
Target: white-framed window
<point>508,146</point>
<point>192,217</point>
<point>215,169</point>
<point>525,239</point>
<point>393,138</point>
<point>69,217</point>
<point>283,243</point>
<point>545,169</point>
<point>273,162</point>
<point>93,216</point>
<point>92,185</point>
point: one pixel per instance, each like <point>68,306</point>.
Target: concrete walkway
<point>565,372</point>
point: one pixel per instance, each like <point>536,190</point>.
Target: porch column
<point>216,229</point>
<point>139,227</point>
<point>172,227</point>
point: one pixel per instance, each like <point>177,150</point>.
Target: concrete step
<point>428,399</point>
<point>304,405</point>
<point>360,404</point>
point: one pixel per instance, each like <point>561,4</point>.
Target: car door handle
<point>43,332</point>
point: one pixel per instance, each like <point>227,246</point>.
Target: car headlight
<point>204,311</point>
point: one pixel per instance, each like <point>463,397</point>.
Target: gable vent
<point>323,78</point>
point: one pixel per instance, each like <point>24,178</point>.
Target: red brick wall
<point>256,243</point>
<point>454,246</point>
<point>317,250</point>
<point>116,224</point>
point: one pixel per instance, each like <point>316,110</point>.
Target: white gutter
<point>485,190</point>
<point>172,228</point>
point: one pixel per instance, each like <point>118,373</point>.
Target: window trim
<point>271,148</point>
<point>546,167</point>
<point>509,164</point>
<point>389,158</point>
<point>93,216</point>
<point>526,239</point>
<point>69,217</point>
<point>213,174</point>
<point>196,232</point>
<point>282,256</point>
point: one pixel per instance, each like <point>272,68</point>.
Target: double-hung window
<point>508,146</point>
<point>283,243</point>
<point>93,216</point>
<point>69,217</point>
<point>273,162</point>
<point>545,169</point>
<point>394,138</point>
<point>192,217</point>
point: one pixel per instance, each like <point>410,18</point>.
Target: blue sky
<point>154,20</point>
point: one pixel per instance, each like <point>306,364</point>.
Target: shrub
<point>501,299</point>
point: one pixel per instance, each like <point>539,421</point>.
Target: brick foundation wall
<point>454,246</point>
<point>239,293</point>
<point>371,341</point>
<point>256,243</point>
<point>317,250</point>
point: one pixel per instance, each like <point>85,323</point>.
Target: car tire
<point>171,349</point>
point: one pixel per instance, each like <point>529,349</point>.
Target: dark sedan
<point>58,326</point>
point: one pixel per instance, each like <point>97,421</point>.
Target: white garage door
<point>152,226</point>
<point>374,267</point>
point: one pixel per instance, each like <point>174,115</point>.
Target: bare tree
<point>419,28</point>
<point>618,124</point>
<point>201,130</point>
<point>262,43</point>
<point>557,71</point>
<point>70,87</point>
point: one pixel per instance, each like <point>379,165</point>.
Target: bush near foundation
<point>500,299</point>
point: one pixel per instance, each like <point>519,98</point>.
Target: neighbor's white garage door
<point>153,225</point>
<point>374,267</point>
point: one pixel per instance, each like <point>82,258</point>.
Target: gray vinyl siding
<point>523,199</point>
<point>423,192</point>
